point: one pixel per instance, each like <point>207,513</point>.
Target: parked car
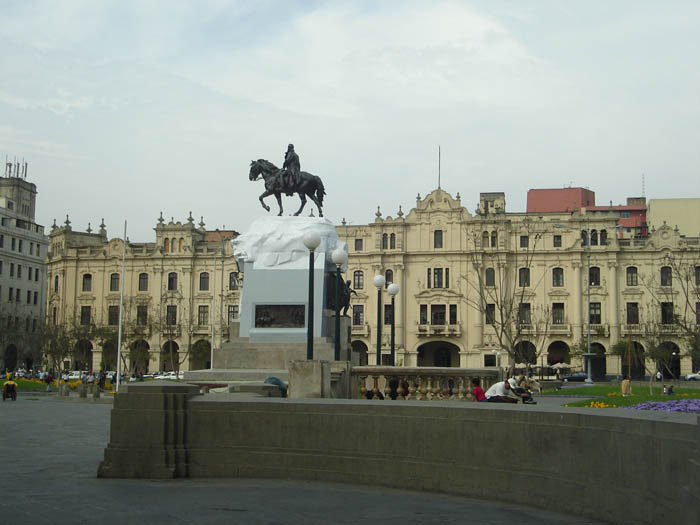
<point>693,377</point>
<point>74,375</point>
<point>576,376</point>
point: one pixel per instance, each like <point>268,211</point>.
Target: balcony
<point>601,330</point>
<point>360,330</point>
<point>668,328</point>
<point>432,330</point>
<point>560,329</point>
<point>633,329</point>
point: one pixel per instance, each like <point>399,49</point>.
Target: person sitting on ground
<point>500,393</point>
<point>519,391</point>
<point>625,386</point>
<point>477,391</point>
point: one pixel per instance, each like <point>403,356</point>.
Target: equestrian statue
<point>288,180</point>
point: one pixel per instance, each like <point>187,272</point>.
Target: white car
<point>74,375</point>
<point>693,377</point>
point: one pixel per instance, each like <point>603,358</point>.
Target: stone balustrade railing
<point>418,383</point>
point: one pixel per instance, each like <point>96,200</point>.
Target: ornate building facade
<point>477,289</point>
<point>180,294</point>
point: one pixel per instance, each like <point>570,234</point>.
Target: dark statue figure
<point>346,293</point>
<point>288,180</point>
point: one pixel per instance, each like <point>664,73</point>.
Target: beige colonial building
<point>471,282</point>
<point>180,293</point>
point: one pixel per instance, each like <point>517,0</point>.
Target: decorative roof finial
<point>379,213</point>
<point>418,197</point>
<point>67,222</point>
<point>103,226</point>
<point>89,230</point>
<point>400,212</point>
<point>190,219</point>
<point>458,196</point>
<point>201,222</point>
<point>344,222</point>
<point>160,219</point>
<point>54,226</point>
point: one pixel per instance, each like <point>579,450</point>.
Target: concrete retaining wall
<point>614,469</point>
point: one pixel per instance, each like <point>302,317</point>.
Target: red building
<point>559,200</point>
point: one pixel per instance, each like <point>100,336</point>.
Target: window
<point>358,280</point>
<point>437,314</point>
<point>603,238</point>
<point>625,214</point>
<point>54,314</point>
<point>29,273</point>
<point>631,276</point>
<point>490,313</point>
<point>666,313</point>
<point>453,314</point>
<point>12,269</point>
<point>141,315</point>
<point>143,282</point>
<point>697,276</point>
<point>85,314</point>
<point>524,277</point>
<point>87,282</point>
<point>36,297</point>
<point>114,282</point>
<point>171,315</point>
<point>697,313</point>
<point>447,277</point>
<point>9,298</point>
<point>494,239</point>
<point>594,314</point>
<point>31,248</point>
<point>232,313</point>
<point>423,314</point>
<point>594,238</point>
<point>557,313</point>
<point>19,271</point>
<point>233,281</point>
<point>524,241</point>
<point>166,245</point>
<point>594,276</point>
<point>392,241</point>
<point>2,241</point>
<point>490,277</point>
<point>429,281</point>
<point>666,279</point>
<point>36,274</point>
<point>358,315</point>
<point>437,239</point>
<point>29,297</point>
<point>437,278</point>
<point>358,245</point>
<point>172,281</point>
<point>17,292</point>
<point>524,313</point>
<point>55,284</point>
<point>632,313</point>
<point>557,277</point>
<point>557,241</point>
<point>0,267</point>
<point>19,247</point>
<point>489,360</point>
<point>388,314</point>
<point>203,315</point>
<point>385,241</point>
<point>113,315</point>
<point>584,237</point>
<point>388,277</point>
<point>13,244</point>
<point>204,281</point>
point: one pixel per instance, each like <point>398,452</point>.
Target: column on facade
<point>372,322</point>
<point>612,304</point>
<point>400,313</point>
<point>576,324</point>
<point>474,326</point>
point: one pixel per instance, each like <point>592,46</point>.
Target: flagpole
<point>121,310</point>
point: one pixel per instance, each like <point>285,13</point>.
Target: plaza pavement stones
<point>50,450</point>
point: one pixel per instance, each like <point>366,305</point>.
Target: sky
<point>126,109</point>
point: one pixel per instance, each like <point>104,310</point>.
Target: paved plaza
<point>50,449</point>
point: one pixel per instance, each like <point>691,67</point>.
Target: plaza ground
<point>50,450</point>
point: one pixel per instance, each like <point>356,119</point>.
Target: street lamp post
<point>498,362</point>
<point>393,289</point>
<point>339,257</point>
<point>379,282</point>
<point>311,240</point>
<point>588,355</point>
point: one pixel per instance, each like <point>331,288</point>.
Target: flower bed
<point>676,405</point>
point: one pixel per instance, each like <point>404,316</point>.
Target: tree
<point>57,344</point>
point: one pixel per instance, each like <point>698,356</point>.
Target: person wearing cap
<point>500,393</point>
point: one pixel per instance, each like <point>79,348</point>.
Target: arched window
<point>385,241</point>
<point>603,237</point>
<point>172,281</point>
<point>55,284</point>
<point>182,244</point>
<point>392,241</point>
<point>524,277</point>
<point>388,277</point>
<point>697,276</point>
<point>166,245</point>
<point>437,239</point>
<point>484,239</point>
<point>594,238</point>
<point>358,280</point>
<point>494,239</point>
<point>594,276</point>
<point>143,282</point>
<point>204,281</point>
<point>490,277</point>
<point>114,282</point>
<point>584,237</point>
<point>557,277</point>
<point>632,276</point>
<point>87,282</point>
<point>666,278</point>
<point>173,244</point>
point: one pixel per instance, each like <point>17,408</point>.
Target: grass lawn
<point>24,385</point>
<point>608,396</point>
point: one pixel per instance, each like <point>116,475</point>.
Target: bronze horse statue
<point>309,185</point>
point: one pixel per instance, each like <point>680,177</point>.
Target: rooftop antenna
<point>439,167</point>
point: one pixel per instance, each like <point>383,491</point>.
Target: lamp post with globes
<point>311,240</point>
<point>339,257</point>
<point>379,282</point>
<point>393,289</point>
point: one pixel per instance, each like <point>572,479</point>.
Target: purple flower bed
<point>680,405</point>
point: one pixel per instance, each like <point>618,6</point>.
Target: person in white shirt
<point>500,393</point>
<point>520,392</point>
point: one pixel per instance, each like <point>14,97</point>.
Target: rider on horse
<point>292,167</point>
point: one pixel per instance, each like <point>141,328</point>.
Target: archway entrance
<point>670,360</point>
<point>109,356</point>
<point>360,348</point>
<point>82,359</point>
<point>169,358</point>
<point>200,356</point>
<point>139,356</point>
<point>10,357</point>
<point>558,352</point>
<point>525,352</point>
<point>632,360</point>
<point>598,362</point>
<point>438,353</point>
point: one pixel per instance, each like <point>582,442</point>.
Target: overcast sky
<point>126,109</point>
